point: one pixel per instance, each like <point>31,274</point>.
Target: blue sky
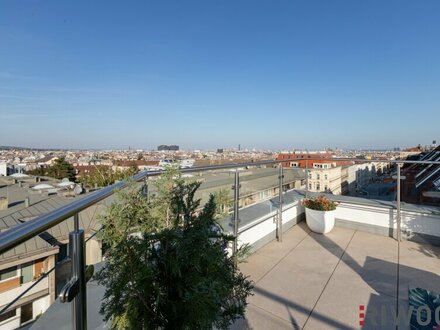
<point>208,74</point>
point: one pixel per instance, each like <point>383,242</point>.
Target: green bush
<point>320,203</point>
<point>176,276</point>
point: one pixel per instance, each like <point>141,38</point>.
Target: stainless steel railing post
<point>399,216</point>
<point>307,178</point>
<point>280,206</point>
<point>236,188</point>
<point>75,290</point>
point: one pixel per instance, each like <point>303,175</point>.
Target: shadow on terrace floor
<point>319,281</point>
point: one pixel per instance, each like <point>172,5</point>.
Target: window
<point>325,187</point>
<point>7,315</point>
<point>325,176</point>
<point>310,175</point>
<point>318,187</point>
<point>26,313</point>
<point>27,272</point>
<point>264,194</point>
<point>8,273</point>
<point>317,176</point>
<point>63,252</point>
<point>310,186</point>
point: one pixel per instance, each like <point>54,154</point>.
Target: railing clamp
<point>69,291</point>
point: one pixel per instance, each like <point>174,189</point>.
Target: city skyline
<point>211,75</point>
<point>226,148</point>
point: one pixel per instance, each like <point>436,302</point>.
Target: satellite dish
<point>42,186</point>
<point>78,190</point>
<point>66,184</point>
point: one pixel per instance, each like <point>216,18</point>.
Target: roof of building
<point>45,159</point>
<point>426,176</point>
<point>251,181</point>
<point>41,203</point>
<point>319,158</point>
<point>140,162</point>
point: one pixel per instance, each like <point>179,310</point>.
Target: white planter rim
<point>318,210</point>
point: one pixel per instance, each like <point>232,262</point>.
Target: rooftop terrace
<point>314,281</point>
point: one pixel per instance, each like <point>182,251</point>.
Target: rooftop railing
<point>74,291</point>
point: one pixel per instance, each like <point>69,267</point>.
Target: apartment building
<point>324,173</point>
<point>367,172</point>
<point>325,177</point>
<point>21,268</point>
<point>348,179</point>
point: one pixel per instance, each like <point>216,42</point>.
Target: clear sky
<point>216,73</point>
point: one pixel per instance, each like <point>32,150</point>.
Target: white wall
<point>11,294</point>
<point>371,215</point>
<point>93,252</point>
<point>12,323</point>
<point>378,219</point>
<point>39,306</point>
<point>3,169</point>
<point>422,223</point>
<point>253,233</point>
<point>426,221</point>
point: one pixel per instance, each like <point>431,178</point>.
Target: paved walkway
<point>318,282</point>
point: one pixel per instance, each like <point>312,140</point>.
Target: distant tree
<point>176,276</point>
<point>104,176</point>
<point>223,201</point>
<point>140,156</point>
<point>133,169</point>
<point>161,203</point>
<point>61,169</point>
<point>39,171</point>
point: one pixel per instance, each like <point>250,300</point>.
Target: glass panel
<point>27,272</point>
<point>8,315</point>
<point>8,273</point>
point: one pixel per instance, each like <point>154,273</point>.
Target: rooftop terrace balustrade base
<point>257,245</point>
<point>389,232</point>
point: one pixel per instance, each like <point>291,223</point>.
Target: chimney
<point>27,202</point>
<point>4,203</point>
<point>20,184</point>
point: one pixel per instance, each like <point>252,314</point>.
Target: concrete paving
<point>312,281</point>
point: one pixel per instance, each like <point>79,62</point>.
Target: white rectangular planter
<point>320,222</point>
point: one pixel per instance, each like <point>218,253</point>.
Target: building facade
<point>325,177</point>
<point>19,270</point>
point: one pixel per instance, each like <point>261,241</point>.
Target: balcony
<point>314,281</point>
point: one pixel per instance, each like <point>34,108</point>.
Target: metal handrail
<point>22,232</point>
